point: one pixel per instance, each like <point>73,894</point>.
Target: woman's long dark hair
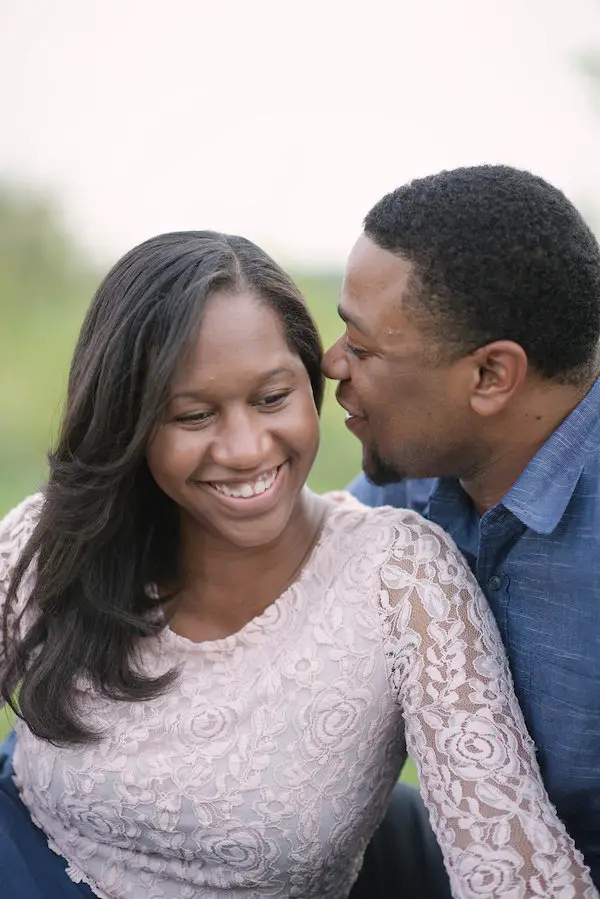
<point>106,531</point>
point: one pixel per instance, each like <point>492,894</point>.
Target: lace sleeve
<point>15,530</point>
<point>479,777</point>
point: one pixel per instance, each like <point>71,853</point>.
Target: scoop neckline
<point>268,618</point>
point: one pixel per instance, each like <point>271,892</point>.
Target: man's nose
<point>335,362</point>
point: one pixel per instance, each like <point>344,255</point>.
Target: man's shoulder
<point>583,509</point>
<point>409,493</point>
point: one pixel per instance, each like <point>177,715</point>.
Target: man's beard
<point>453,462</point>
<point>378,470</point>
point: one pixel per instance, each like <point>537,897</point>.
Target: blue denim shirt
<point>537,557</point>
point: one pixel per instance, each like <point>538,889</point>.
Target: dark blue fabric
<point>28,868</point>
<point>537,557</point>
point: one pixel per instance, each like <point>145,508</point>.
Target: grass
<point>6,718</point>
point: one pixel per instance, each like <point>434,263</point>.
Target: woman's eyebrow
<point>261,379</point>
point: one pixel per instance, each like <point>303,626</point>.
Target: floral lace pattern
<point>267,767</point>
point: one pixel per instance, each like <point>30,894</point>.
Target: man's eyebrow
<point>353,320</point>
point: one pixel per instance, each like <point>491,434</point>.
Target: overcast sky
<point>285,121</point>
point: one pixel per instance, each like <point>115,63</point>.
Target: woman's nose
<point>243,443</point>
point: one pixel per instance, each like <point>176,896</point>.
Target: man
<point>469,370</point>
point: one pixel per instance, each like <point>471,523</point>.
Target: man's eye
<point>354,350</point>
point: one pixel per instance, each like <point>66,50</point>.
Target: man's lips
<point>349,410</point>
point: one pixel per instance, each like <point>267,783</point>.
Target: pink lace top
<point>266,769</point>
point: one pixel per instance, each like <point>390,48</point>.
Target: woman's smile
<point>249,496</point>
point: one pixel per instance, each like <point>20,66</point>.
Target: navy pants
<point>28,867</point>
<point>403,861</point>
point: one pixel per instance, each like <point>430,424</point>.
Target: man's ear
<point>500,369</point>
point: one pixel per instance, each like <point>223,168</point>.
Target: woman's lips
<point>254,504</point>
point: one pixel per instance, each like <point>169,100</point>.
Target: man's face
<point>408,402</point>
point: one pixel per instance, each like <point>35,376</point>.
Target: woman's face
<point>239,434</point>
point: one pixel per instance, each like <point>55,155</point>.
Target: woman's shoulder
<point>385,527</point>
<point>350,514</point>
<point>17,526</point>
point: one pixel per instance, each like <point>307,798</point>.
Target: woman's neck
<point>225,586</point>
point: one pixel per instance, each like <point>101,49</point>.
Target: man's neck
<point>517,437</point>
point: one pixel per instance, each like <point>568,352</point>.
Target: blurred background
<point>283,122</point>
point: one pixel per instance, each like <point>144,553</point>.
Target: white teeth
<point>250,488</point>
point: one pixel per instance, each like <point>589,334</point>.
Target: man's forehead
<point>373,303</point>
<point>375,276</point>
<point>371,262</point>
<point>372,306</point>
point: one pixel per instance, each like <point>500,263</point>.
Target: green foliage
<point>39,262</point>
<point>44,286</point>
<point>339,454</point>
<point>588,64</point>
<point>6,717</point>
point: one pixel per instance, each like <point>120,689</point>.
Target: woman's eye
<point>354,350</point>
<point>194,418</point>
<point>273,400</point>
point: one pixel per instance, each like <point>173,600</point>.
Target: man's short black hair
<point>498,254</point>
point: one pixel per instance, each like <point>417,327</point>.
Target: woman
<point>218,669</point>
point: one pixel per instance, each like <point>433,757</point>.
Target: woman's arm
<point>479,777</point>
<point>15,530</point>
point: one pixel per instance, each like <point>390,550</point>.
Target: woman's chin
<point>250,522</point>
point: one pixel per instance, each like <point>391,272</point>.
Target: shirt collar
<point>451,508</point>
<point>541,494</point>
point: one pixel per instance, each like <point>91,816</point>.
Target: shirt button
<point>494,582</point>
